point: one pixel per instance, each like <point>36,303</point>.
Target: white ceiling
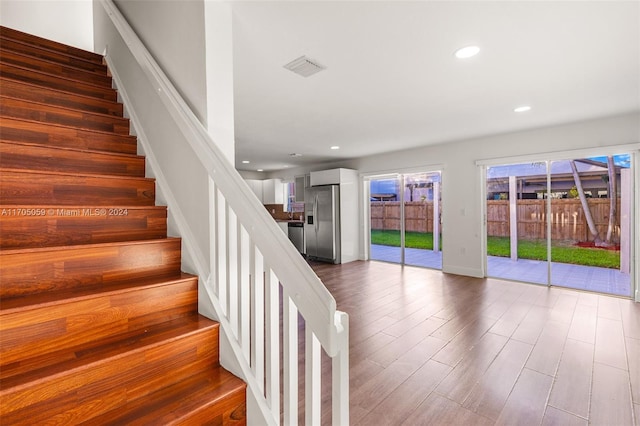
<point>392,81</point>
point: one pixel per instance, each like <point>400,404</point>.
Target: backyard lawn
<point>499,246</point>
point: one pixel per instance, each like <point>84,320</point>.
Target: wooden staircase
<point>98,323</point>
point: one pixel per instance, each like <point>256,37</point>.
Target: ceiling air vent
<point>304,66</point>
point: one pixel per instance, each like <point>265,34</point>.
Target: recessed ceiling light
<point>260,170</point>
<point>245,161</point>
<point>467,52</point>
<point>523,108</point>
<point>335,147</point>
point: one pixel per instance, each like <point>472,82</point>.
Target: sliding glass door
<point>564,222</point>
<point>405,219</point>
<point>516,222</point>
<point>384,207</point>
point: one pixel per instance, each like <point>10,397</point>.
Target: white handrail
<point>245,228</point>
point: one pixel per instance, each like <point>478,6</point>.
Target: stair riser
<point>53,229</point>
<point>53,82</point>
<point>49,44</point>
<point>35,189</point>
<point>107,384</point>
<point>43,336</point>
<point>33,157</point>
<point>30,92</point>
<point>230,412</point>
<point>60,58</point>
<point>30,272</point>
<point>26,110</point>
<point>45,66</point>
<point>33,132</point>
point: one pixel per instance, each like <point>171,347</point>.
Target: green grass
<point>537,250</point>
<point>499,246</point>
<point>417,240</point>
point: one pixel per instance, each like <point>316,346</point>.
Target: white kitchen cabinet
<point>272,191</point>
<point>299,181</point>
<point>331,177</point>
<point>256,187</point>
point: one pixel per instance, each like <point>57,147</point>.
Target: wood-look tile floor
<point>432,348</point>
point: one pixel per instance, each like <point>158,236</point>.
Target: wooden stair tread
<point>35,187</point>
<point>63,70</point>
<point>46,79</point>
<point>82,246</point>
<point>101,352</point>
<point>179,402</point>
<point>28,271</point>
<point>8,305</point>
<point>71,149</point>
<point>59,97</point>
<point>94,132</point>
<point>8,43</point>
<point>49,44</point>
<point>56,225</point>
<point>38,111</point>
<point>43,158</point>
<point>35,173</point>
<point>36,132</point>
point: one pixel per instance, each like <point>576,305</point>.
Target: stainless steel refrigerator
<point>322,223</point>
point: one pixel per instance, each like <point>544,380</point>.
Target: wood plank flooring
<point>432,348</point>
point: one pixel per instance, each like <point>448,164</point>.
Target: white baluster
<point>340,374</point>
<point>233,241</point>
<point>272,338</point>
<point>257,320</point>
<point>312,392</point>
<point>290,359</point>
<point>246,269</point>
<point>223,252</point>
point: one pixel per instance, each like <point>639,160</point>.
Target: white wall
<point>174,33</point>
<point>461,178</point>
<point>219,56</point>
<point>65,21</point>
<point>187,179</point>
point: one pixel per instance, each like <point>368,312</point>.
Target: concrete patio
<point>591,278</point>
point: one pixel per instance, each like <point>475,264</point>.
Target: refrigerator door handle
<point>315,212</point>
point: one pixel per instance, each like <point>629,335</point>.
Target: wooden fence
<point>418,215</point>
<point>567,218</point>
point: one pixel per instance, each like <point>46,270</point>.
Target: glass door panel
<point>385,220</point>
<point>590,228</point>
<point>422,220</point>
<point>516,222</point>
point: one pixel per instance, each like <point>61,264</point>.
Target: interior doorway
<point>404,217</point>
<point>563,222</point>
